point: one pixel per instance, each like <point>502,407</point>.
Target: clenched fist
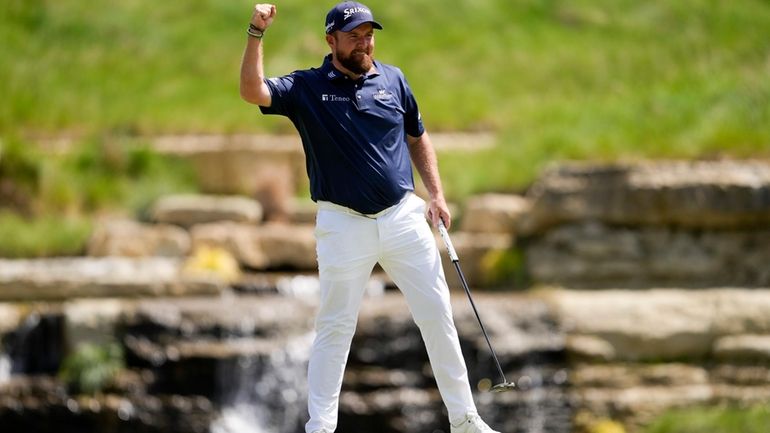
<point>263,15</point>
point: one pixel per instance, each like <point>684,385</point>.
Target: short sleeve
<point>280,95</point>
<point>412,119</point>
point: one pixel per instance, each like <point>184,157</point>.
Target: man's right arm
<point>253,87</point>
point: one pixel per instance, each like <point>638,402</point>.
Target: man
<point>361,130</point>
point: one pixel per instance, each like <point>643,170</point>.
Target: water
<point>36,346</point>
<point>269,393</point>
<point>535,421</point>
<point>5,368</point>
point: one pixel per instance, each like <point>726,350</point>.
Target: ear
<point>331,41</point>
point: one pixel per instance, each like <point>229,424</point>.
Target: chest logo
<point>383,95</point>
<point>334,98</point>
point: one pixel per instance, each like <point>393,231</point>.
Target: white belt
<point>327,205</point>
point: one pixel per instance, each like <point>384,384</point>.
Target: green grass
<point>92,368</point>
<point>45,236</point>
<point>47,200</point>
<point>599,79</point>
<point>755,419</point>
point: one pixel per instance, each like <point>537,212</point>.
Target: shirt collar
<point>331,73</point>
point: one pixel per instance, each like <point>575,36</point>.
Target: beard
<point>358,62</point>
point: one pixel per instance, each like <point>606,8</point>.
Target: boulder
<point>269,168</point>
<point>133,239</point>
<point>594,254</point>
<point>92,321</point>
<point>268,246</point>
<point>289,246</point>
<point>66,278</point>
<point>694,194</point>
<point>10,317</point>
<point>302,211</point>
<point>43,405</point>
<point>743,348</point>
<point>494,213</point>
<point>638,393</point>
<point>188,210</point>
<point>640,326</point>
<point>663,324</point>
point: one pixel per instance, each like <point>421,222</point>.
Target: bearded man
<point>361,131</point>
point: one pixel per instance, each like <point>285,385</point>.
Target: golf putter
<point>504,385</point>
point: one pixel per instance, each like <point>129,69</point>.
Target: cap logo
<point>329,26</point>
<point>352,11</point>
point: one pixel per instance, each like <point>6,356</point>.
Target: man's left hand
<point>437,209</point>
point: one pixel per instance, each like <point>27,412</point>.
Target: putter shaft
<point>505,385</point>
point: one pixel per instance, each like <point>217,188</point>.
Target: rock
<point>590,348</point>
<point>743,348</point>
<point>302,211</point>
<point>626,376</point>
<point>269,246</point>
<point>396,410</point>
<point>41,404</point>
<point>240,240</point>
<point>66,278</point>
<point>368,379</point>
<point>188,210</point>
<point>243,353</point>
<point>593,254</point>
<point>741,311</point>
<point>92,321</point>
<point>649,325</point>
<point>494,213</point>
<point>10,317</point>
<point>291,246</point>
<point>693,194</point>
<point>742,375</point>
<point>638,393</point>
<point>637,406</point>
<point>205,318</point>
<point>133,239</point>
<point>662,324</point>
<point>269,168</point>
<point>477,253</point>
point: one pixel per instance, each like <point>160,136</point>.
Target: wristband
<point>255,31</point>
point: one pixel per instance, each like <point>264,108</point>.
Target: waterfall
<point>543,404</point>
<point>5,368</point>
<point>268,393</point>
<point>534,399</point>
<point>36,346</point>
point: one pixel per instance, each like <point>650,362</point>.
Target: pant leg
<point>347,251</point>
<point>411,258</point>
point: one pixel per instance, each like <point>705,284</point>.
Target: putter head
<point>503,387</point>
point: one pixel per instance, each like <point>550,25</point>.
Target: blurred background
<point>606,161</point>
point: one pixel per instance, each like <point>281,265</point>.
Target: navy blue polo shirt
<point>353,132</point>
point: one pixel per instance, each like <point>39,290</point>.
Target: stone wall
<point>678,224</point>
<point>636,353</point>
<point>679,249</point>
<point>681,253</point>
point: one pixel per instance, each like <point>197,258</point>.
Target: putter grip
<point>448,242</point>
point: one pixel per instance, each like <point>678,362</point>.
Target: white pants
<point>348,246</point>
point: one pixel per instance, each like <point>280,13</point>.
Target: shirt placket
<point>360,89</point>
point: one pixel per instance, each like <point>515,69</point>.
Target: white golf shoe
<point>471,424</point>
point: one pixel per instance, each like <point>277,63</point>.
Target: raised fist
<point>263,15</point>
